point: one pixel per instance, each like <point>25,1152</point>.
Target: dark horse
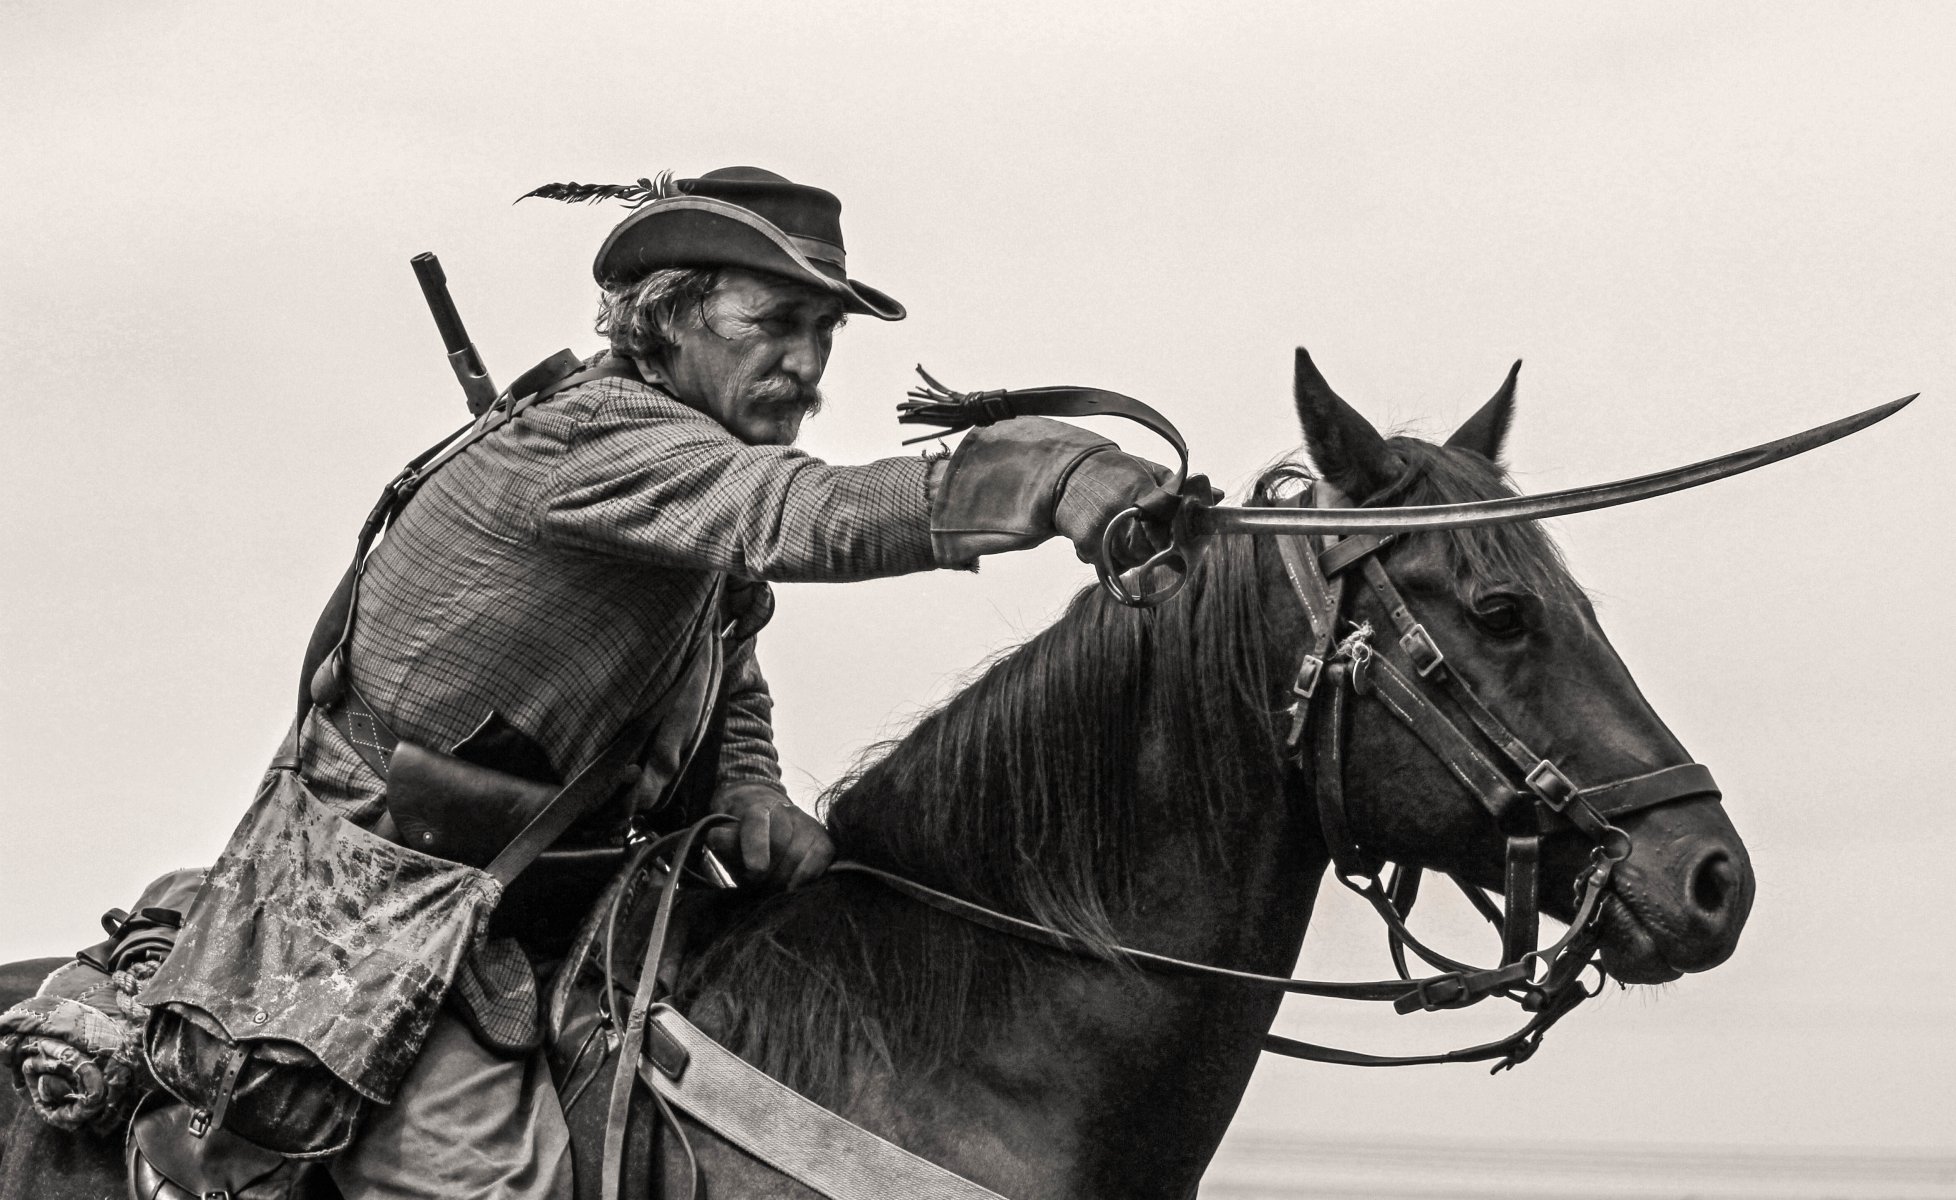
<point>1123,776</point>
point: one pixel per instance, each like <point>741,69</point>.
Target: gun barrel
<point>462,354</point>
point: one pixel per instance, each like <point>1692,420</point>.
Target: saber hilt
<point>462,354</point>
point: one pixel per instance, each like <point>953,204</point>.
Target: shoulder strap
<point>322,678</point>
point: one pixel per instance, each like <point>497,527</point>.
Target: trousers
<point>465,1123</point>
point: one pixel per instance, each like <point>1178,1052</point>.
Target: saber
<point>935,404</point>
<point>1270,521</point>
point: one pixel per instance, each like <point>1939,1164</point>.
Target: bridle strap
<point>1521,916</point>
<point>1512,1050</point>
<point>1379,676</point>
<point>1328,785</point>
<point>1044,935</point>
<point>1661,786</point>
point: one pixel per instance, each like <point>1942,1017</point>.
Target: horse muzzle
<point>1678,903</point>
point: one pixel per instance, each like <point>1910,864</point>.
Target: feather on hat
<point>735,216</point>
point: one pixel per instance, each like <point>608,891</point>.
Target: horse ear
<point>1349,453</point>
<point>1486,430</point>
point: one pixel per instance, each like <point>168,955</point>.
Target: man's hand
<point>1019,482</point>
<point>1101,487</point>
<point>774,843</point>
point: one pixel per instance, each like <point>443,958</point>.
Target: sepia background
<point>1701,226</point>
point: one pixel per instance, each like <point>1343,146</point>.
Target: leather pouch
<point>167,1162</point>
<point>454,809</point>
<point>311,966</point>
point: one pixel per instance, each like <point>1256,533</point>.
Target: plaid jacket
<point>549,573</point>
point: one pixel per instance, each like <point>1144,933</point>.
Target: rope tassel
<point>931,403</point>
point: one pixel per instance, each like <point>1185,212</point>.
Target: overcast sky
<point>1701,226</point>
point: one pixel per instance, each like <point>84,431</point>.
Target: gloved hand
<point>1100,487</point>
<point>775,842</point>
<point>1012,485</point>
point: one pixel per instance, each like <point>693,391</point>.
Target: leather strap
<point>322,677</point>
<point>1521,916</point>
<point>821,1150</point>
<point>632,1045</point>
<point>1646,791</point>
<point>1032,931</point>
<point>934,404</point>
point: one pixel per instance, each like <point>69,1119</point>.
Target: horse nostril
<point>1713,883</point>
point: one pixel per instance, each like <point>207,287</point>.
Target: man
<point>538,589</point>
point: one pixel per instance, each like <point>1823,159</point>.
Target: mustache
<point>782,390</point>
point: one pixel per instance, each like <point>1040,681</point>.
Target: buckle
<point>1548,782</point>
<point>1422,649</point>
<point>1308,673</point>
<point>1434,993</point>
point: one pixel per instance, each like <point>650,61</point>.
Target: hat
<point>736,217</point>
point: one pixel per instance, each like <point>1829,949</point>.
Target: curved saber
<point>1236,519</point>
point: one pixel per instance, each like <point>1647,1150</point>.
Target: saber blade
<point>1272,521</point>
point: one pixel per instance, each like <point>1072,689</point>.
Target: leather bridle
<point>1528,795</point>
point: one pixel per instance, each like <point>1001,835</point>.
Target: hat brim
<point>697,231</point>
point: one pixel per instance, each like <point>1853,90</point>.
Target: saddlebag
<point>166,1163</point>
<point>309,971</point>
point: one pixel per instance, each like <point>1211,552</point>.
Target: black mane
<point>1022,792</point>
<point>1515,555</point>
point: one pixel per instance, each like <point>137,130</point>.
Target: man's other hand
<point>774,842</point>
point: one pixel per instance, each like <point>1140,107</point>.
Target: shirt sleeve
<point>747,752</point>
<point>646,478</point>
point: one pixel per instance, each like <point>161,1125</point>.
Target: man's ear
<point>1347,450</point>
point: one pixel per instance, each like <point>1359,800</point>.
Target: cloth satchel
<point>317,954</point>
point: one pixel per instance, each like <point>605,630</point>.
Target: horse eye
<point>1501,616</point>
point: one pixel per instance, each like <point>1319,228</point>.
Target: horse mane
<point>1025,792</point>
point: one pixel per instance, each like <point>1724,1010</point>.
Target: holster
<point>457,810</point>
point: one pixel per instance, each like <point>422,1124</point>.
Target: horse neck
<point>1137,753</point>
<point>1117,776</point>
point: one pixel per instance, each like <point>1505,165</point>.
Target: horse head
<point>1520,641</point>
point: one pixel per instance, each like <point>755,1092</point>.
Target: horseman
<point>539,588</point>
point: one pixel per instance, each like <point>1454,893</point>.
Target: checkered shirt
<point>549,573</point>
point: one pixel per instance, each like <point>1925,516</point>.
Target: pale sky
<point>1701,226</point>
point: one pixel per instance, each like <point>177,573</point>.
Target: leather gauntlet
<point>1012,485</point>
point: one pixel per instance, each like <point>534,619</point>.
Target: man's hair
<point>635,316</point>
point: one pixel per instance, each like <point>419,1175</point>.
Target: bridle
<point>1528,795</point>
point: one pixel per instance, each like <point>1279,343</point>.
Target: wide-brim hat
<point>741,217</point>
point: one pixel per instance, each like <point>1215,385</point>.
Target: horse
<point>1128,777</point>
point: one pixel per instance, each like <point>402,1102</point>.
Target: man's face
<point>752,355</point>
